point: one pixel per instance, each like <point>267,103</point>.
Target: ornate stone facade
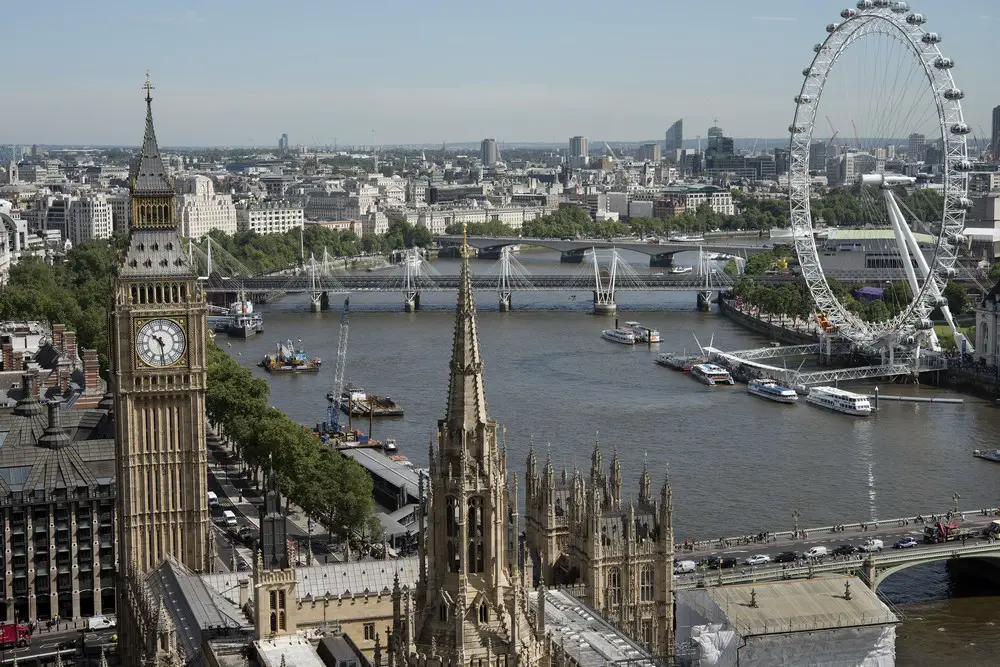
<point>470,602</point>
<point>158,375</point>
<point>583,533</point>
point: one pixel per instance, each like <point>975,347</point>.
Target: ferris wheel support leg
<point>898,223</point>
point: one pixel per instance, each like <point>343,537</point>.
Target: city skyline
<point>215,87</point>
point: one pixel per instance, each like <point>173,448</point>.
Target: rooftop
<point>805,604</point>
<point>588,638</point>
<point>400,476</point>
<point>874,235</point>
<point>331,579</point>
<point>296,651</point>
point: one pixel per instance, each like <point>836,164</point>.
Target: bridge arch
<point>883,573</point>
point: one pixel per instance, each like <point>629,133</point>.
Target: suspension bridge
<point>603,272</point>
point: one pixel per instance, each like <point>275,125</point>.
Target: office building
<point>817,156</point>
<point>270,217</point>
<point>89,217</point>
<point>200,209</point>
<point>915,147</point>
<point>579,148</point>
<point>674,140</point>
<point>283,145</point>
<point>649,153</point>
<point>995,135</point>
<point>158,328</point>
<point>58,467</point>
<point>488,152</point>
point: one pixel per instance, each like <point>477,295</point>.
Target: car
<point>872,546</point>
<point>816,552</point>
<point>684,566</point>
<point>844,550</point>
<point>760,559</point>
<point>786,557</point>
<point>100,622</point>
<point>905,543</point>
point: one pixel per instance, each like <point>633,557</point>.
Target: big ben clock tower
<point>158,328</point>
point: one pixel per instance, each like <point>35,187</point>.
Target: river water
<point>738,465</point>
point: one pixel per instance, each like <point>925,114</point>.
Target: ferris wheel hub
<point>880,180</point>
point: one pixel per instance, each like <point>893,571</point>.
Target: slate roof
<point>149,176</point>
<point>155,253</point>
<point>194,608</point>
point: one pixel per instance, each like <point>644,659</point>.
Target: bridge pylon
<point>511,275</point>
<point>316,292</point>
<point>604,286</point>
<point>412,262</point>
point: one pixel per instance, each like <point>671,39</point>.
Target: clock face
<point>160,342</point>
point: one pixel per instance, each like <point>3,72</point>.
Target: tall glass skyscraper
<point>674,140</point>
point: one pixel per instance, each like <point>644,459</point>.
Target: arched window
<point>443,612</point>
<point>476,527</point>
<point>646,584</point>
<point>614,586</point>
<point>453,561</point>
<point>281,620</point>
<point>451,518</point>
<point>183,292</point>
<point>484,613</point>
<point>559,507</point>
<point>274,621</point>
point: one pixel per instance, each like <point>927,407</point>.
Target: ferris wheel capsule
<point>881,4</point>
<point>943,63</point>
<point>931,38</point>
<point>803,99</point>
<point>916,19</point>
<point>962,165</point>
<point>953,94</point>
<point>900,7</point>
<point>960,128</point>
<point>865,4</point>
<point>848,13</point>
<point>832,27</point>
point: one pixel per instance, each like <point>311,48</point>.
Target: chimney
<point>69,346</point>
<point>29,386</point>
<point>18,361</point>
<point>58,336</point>
<point>54,421</point>
<point>8,357</point>
<point>91,371</point>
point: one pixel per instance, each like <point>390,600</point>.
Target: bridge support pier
<point>705,301</point>
<point>324,301</point>
<point>663,260</point>
<point>604,304</point>
<point>316,301</point>
<point>411,302</point>
<point>573,256</point>
<point>506,299</point>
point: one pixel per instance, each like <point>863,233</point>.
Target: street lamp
<point>795,520</point>
<point>956,498</point>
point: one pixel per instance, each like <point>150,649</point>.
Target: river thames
<point>738,464</point>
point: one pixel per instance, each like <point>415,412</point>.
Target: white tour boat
<point>643,334</point>
<point>623,336</point>
<point>771,390</point>
<point>711,374</point>
<point>679,270</point>
<point>686,238</point>
<point>840,400</point>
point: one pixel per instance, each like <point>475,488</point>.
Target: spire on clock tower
<point>149,177</point>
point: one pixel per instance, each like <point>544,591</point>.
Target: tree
<point>958,298</point>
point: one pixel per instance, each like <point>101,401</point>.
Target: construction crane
<point>610,152</point>
<point>337,391</point>
<point>833,136</point>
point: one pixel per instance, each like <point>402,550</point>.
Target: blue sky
<point>242,73</point>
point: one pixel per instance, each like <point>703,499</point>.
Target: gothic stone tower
<point>274,576</point>
<point>470,599</point>
<point>158,374</point>
<point>583,532</point>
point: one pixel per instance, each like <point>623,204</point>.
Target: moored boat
<point>390,446</point>
<point>643,334</point>
<point>686,238</point>
<point>840,400</point>
<point>623,336</point>
<point>358,403</point>
<point>289,359</point>
<point>772,390</point>
<point>987,454</point>
<point>679,270</point>
<point>711,374</point>
<point>679,362</point>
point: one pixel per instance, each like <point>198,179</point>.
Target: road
<point>236,493</point>
<point>45,645</point>
<point>888,532</point>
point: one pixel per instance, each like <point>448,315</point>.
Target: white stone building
<point>988,328</point>
<point>436,220</point>
<point>121,209</point>
<point>89,217</point>
<point>269,217</point>
<point>200,209</point>
<point>374,222</point>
